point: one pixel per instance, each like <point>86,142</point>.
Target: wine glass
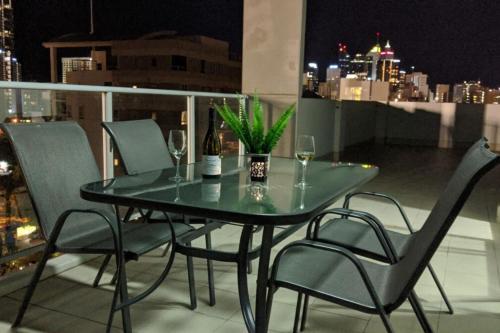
<point>304,152</point>
<point>177,145</point>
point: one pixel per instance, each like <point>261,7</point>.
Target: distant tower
<point>372,58</point>
<point>388,67</point>
<point>10,68</point>
<point>344,60</point>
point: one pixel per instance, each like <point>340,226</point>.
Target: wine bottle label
<point>210,192</point>
<point>211,165</point>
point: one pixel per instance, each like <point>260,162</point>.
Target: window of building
<point>153,62</point>
<point>178,63</point>
<point>202,66</point>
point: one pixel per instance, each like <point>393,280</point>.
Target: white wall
<point>337,125</point>
<point>320,118</point>
<point>273,53</point>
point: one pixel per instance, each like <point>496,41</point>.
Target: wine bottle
<point>211,163</point>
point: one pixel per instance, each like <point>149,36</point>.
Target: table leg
<point>259,324</point>
<point>262,277</point>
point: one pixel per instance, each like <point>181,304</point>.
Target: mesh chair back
<point>56,160</point>
<point>477,161</point>
<point>141,145</point>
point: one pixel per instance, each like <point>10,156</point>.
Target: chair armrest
<point>115,227</point>
<point>383,196</point>
<point>337,250</point>
<point>365,217</point>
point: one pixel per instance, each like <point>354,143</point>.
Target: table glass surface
<point>233,196</point>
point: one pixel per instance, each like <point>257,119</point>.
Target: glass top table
<point>234,198</point>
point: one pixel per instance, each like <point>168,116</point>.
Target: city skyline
<point>448,39</point>
<point>452,41</point>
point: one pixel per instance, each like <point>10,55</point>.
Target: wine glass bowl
<point>304,152</point>
<point>177,146</point>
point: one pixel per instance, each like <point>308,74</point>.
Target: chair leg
<point>441,289</point>
<point>104,264</point>
<point>114,278</point>
<point>387,323</point>
<point>304,313</point>
<point>166,249</point>
<point>419,312</point>
<point>192,285</point>
<point>270,294</point>
<point>127,326</point>
<point>297,313</point>
<point>31,287</point>
<point>210,270</point>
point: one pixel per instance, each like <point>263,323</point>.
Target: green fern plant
<point>252,135</point>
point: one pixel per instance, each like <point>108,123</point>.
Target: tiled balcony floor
<point>467,263</point>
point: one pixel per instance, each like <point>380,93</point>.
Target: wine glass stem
<point>177,168</point>
<point>304,167</point>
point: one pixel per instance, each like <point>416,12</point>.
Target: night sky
<point>451,40</point>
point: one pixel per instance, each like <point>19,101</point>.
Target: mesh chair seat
<point>332,277</point>
<point>138,238</point>
<point>360,238</point>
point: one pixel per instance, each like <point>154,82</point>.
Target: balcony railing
<point>20,239</point>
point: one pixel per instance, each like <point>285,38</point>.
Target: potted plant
<point>258,145</point>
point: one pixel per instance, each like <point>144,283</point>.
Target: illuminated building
<point>332,84</point>
<point>388,67</point>
<point>359,66</point>
<point>333,73</point>
<point>311,80</point>
<point>75,64</point>
<point>368,90</point>
<point>442,93</point>
<point>458,93</point>
<point>416,82</point>
<point>492,96</point>
<point>11,69</point>
<point>344,60</point>
<point>473,92</point>
<point>372,58</point>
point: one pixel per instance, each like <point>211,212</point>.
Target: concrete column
<point>273,53</point>
<point>53,65</point>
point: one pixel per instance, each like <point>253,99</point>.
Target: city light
<point>333,66</point>
<point>312,65</point>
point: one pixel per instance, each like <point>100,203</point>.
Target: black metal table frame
<point>259,322</point>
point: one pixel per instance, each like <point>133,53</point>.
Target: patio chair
<point>335,274</point>
<point>56,160</point>
<point>142,148</point>
<point>360,238</point>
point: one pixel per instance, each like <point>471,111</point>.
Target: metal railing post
<point>107,151</point>
<point>191,130</point>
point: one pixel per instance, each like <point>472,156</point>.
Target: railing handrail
<point>104,89</point>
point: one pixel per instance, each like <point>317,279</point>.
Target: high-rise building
<point>473,92</point>
<point>359,66</point>
<point>418,86</point>
<point>388,67</point>
<point>492,96</point>
<point>311,80</point>
<point>11,69</point>
<point>442,93</point>
<point>164,60</point>
<point>344,60</point>
<point>333,77</point>
<point>372,58</point>
<point>458,93</point>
